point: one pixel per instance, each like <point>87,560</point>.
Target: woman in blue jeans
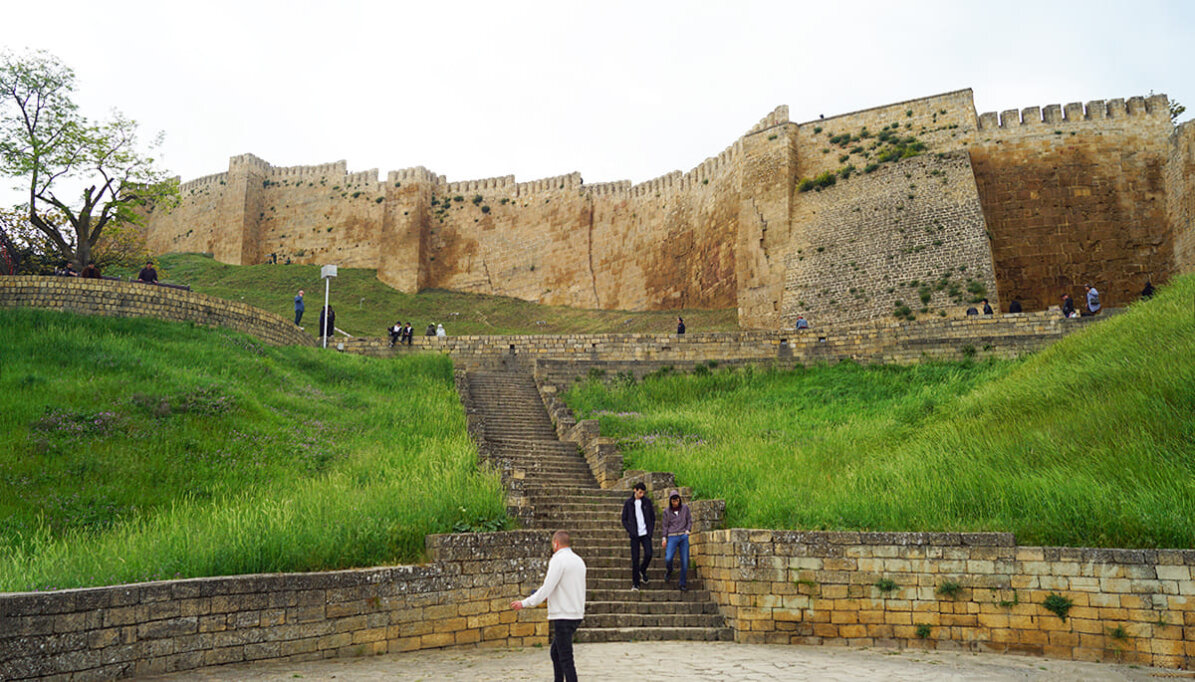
<point>677,522</point>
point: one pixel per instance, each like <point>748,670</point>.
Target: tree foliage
<point>53,150</point>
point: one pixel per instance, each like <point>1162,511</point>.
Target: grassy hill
<point>366,307</point>
<point>134,449</point>
<point>1089,443</point>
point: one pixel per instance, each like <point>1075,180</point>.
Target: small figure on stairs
<point>677,524</point>
<point>639,520</point>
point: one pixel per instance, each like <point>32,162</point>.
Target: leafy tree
<point>25,249</point>
<point>54,150</point>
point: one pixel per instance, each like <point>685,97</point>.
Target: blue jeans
<point>675,542</point>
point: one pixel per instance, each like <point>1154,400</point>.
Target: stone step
<point>586,635</point>
<point>617,583</point>
<point>652,620</point>
<point>649,607</point>
<point>649,594</point>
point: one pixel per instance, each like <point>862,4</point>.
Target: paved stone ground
<point>685,661</point>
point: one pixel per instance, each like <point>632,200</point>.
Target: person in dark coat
<point>396,333</point>
<point>1015,306</point>
<point>987,307</point>
<point>407,334</point>
<point>431,330</point>
<point>90,272</point>
<point>327,314</point>
<point>1148,291</point>
<point>148,274</point>
<point>639,520</point>
<point>1068,306</point>
<point>680,325</point>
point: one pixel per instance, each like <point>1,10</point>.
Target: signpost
<point>327,273</point>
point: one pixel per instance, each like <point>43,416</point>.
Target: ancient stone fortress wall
<point>462,597</point>
<point>872,242</point>
<point>1079,194</point>
<point>134,299</point>
<point>973,591</point>
<point>1068,194</point>
<point>1180,204</point>
<point>566,357</point>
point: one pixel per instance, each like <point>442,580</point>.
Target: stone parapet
<point>461,598</point>
<point>559,359</point>
<point>134,299</point>
<point>975,591</point>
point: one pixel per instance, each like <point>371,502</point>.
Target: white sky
<point>616,90</point>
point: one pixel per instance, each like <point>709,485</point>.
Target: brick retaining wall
<point>782,587</point>
<point>134,299</point>
<point>461,597</point>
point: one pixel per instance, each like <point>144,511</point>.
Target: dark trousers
<point>640,569</point>
<point>298,316</point>
<point>562,650</point>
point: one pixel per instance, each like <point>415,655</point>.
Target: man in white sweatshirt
<point>564,588</point>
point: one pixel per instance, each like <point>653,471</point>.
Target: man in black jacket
<point>639,520</point>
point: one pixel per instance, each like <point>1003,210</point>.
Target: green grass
<point>1088,443</point>
<point>135,449</point>
<point>366,307</point>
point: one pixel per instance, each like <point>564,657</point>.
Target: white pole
<point>327,310</point>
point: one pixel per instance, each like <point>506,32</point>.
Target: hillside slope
<point>134,449</point>
<point>1090,442</point>
<point>366,307</point>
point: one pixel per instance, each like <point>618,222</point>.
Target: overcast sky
<point>615,90</point>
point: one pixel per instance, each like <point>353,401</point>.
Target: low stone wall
<point>461,598</point>
<point>134,299</point>
<point>977,591</point>
<point>562,358</point>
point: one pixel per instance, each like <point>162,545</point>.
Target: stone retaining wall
<point>561,358</point>
<point>782,587</point>
<point>461,598</point>
<point>134,299</point>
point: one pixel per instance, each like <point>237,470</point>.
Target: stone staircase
<point>564,495</point>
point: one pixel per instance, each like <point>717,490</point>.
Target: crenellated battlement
<point>779,115</point>
<point>248,162</point>
<point>661,184</point>
<point>1076,112</point>
<point>504,182</point>
<point>559,182</point>
<point>335,168</point>
<point>367,176</point>
<point>205,181</point>
<point>414,175</point>
<point>619,187</point>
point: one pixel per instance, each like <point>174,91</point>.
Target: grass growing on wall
<point>1088,443</point>
<point>135,449</point>
<point>366,307</point>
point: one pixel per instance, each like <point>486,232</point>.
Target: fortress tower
<point>920,205</point>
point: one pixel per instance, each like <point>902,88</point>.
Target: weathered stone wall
<point>867,242</point>
<point>1180,195</point>
<point>782,587</point>
<point>134,299</point>
<point>461,598</point>
<point>561,359</point>
<point>1074,196</point>
<point>1068,194</point>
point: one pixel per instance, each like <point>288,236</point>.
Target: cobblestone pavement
<point>684,661</point>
